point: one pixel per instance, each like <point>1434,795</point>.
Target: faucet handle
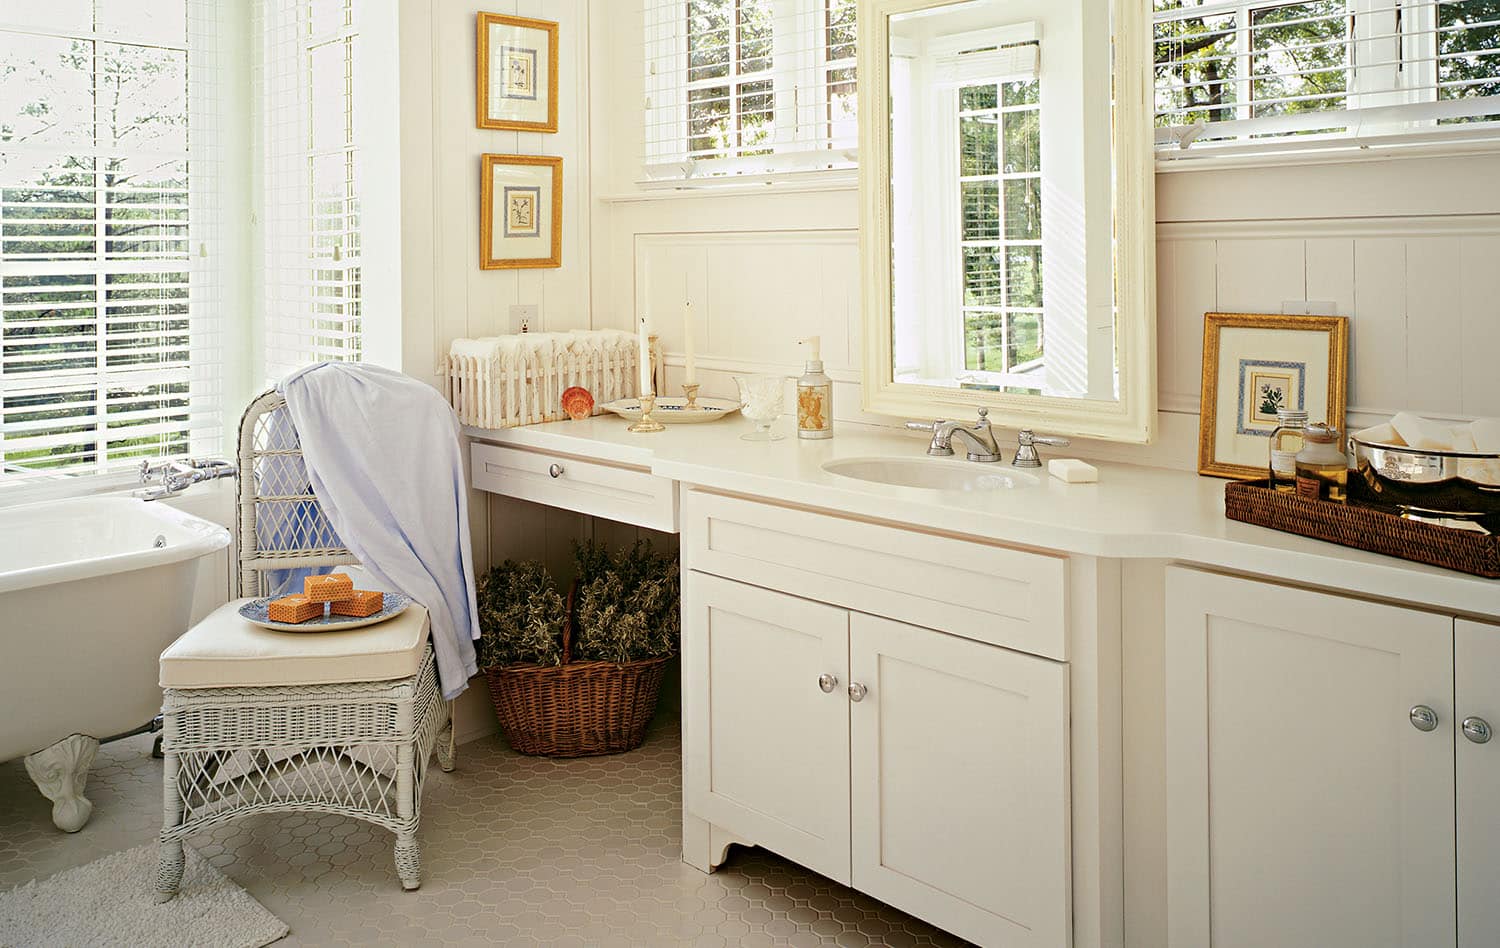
<point>984,418</point>
<point>1026,437</point>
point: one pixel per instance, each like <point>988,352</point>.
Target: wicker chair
<point>262,722</point>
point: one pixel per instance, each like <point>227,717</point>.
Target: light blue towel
<point>384,458</point>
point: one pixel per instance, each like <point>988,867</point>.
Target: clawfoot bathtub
<point>91,591</point>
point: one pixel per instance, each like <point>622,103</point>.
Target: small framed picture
<point>520,212</point>
<point>517,73</point>
<point>1256,365</point>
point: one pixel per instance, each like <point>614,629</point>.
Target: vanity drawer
<point>624,494</point>
<point>1007,597</point>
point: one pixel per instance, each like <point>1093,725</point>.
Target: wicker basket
<point>576,709</point>
<point>1364,527</point>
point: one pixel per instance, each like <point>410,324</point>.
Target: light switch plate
<point>1309,308</point>
<point>525,317</point>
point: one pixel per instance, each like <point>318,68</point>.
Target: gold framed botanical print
<point>517,73</point>
<point>1255,365</point>
<point>520,212</point>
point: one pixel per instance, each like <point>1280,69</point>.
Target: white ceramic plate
<point>673,411</point>
<point>257,611</point>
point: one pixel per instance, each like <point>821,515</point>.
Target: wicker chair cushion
<point>225,651</point>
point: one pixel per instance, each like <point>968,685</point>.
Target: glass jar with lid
<point>1286,441</point>
<point>1322,468</point>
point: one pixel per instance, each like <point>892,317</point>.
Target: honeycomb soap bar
<point>333,587</point>
<point>294,609</point>
<point>364,602</point>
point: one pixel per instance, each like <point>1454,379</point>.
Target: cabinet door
<point>1303,806</point>
<point>1476,675</point>
<point>959,784</point>
<point>765,748</point>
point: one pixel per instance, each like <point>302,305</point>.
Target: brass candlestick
<point>690,389</point>
<point>647,423</point>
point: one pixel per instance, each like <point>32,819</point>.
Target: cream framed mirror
<point>1007,213</point>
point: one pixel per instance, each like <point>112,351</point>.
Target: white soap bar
<point>1422,434</point>
<point>1072,471</point>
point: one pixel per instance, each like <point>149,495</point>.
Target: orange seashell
<point>578,403</point>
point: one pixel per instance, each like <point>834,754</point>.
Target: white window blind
<point>304,82</point>
<point>748,87</point>
<point>1236,77</point>
<point>108,226</point>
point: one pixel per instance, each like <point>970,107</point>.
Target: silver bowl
<point>1426,484</point>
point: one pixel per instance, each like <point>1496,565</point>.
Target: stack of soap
<point>1424,434</point>
<point>364,602</point>
<point>337,589</point>
<point>294,609</point>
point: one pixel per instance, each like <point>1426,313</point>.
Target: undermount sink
<point>932,473</point>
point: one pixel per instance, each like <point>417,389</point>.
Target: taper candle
<point>690,367</point>
<point>645,358</point>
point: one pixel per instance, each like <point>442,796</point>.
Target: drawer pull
<point>1424,718</point>
<point>828,682</point>
<point>555,470</point>
<point>1477,730</point>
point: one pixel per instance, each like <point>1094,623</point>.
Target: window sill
<point>1330,156</point>
<point>824,181</point>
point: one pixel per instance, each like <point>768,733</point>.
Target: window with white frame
<point>1000,185</point>
<point>310,270</point>
<point>748,87</point>
<point>107,311</point>
<point>1318,74</point>
<point>120,228</point>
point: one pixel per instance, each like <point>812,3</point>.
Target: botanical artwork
<point>1266,388</point>
<point>518,70</point>
<point>521,211</point>
<point>1255,365</point>
<point>517,73</point>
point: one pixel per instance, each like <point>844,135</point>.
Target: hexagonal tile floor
<point>516,851</point>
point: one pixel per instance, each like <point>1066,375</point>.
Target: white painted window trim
<point>800,87</point>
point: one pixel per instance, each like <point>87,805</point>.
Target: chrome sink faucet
<point>980,438</point>
<point>1026,442</point>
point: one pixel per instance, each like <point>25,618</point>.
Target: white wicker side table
<point>267,722</point>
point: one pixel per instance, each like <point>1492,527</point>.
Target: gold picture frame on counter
<point>517,73</point>
<point>1256,364</point>
<point>520,216</point>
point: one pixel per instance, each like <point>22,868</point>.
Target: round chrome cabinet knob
<point>828,683</point>
<point>1477,730</point>
<point>1424,718</point>
<point>857,691</point>
<point>555,470</point>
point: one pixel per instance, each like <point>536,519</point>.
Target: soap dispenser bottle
<point>814,395</point>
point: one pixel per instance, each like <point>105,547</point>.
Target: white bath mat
<point>111,901</point>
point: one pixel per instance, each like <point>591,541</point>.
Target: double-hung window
<point>748,87</point>
<point>1316,74</point>
<point>311,273</point>
<point>108,309</point>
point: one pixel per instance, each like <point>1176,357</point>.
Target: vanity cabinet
<point>1316,769</point>
<point>928,770</point>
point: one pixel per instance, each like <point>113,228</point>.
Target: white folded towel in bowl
<point>1422,433</point>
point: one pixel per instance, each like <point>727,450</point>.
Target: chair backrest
<point>281,524</point>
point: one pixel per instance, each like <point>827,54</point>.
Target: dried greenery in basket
<point>627,604</point>
<point>521,616</point>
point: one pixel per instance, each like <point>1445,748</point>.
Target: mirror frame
<point>1132,418</point>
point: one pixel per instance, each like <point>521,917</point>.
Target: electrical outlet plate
<point>525,317</point>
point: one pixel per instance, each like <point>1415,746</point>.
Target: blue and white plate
<point>674,410</point>
<point>258,611</point>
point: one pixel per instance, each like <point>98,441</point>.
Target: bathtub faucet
<point>169,478</point>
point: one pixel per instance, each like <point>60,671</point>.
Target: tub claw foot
<point>60,772</point>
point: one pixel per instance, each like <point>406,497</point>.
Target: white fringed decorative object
<point>509,381</point>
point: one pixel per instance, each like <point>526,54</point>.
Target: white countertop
<point>1132,511</point>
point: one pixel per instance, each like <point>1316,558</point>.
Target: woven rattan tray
<point>1364,527</point>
